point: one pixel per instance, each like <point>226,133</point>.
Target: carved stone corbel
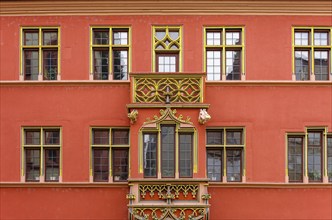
<point>133,115</point>
<point>203,116</point>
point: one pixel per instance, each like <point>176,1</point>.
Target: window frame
<point>312,48</point>
<point>110,146</point>
<point>41,147</point>
<point>224,147</point>
<point>223,47</point>
<point>110,46</point>
<point>41,48</point>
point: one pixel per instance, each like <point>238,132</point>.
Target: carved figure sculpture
<point>133,115</point>
<point>203,116</point>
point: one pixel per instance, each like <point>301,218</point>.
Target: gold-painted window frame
<point>109,146</point>
<point>226,146</point>
<point>40,48</point>
<point>223,48</point>
<point>42,147</point>
<point>155,42</point>
<point>178,130</point>
<point>304,134</point>
<point>110,47</point>
<point>311,47</point>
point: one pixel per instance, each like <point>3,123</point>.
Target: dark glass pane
<point>233,137</point>
<point>215,137</point>
<point>150,155</point>
<point>302,65</point>
<point>120,164</point>
<point>120,137</point>
<point>167,151</point>
<point>214,164</point>
<point>100,64</point>
<point>100,136</point>
<point>31,64</point>
<point>321,65</point>
<point>100,165</point>
<point>185,155</point>
<point>120,64</point>
<point>32,165</point>
<point>50,37</point>
<point>233,65</point>
<point>329,158</point>
<point>52,137</point>
<point>32,137</point>
<point>315,156</point>
<point>52,164</point>
<point>295,161</point>
<point>50,63</point>
<point>234,165</point>
<point>31,38</point>
<point>101,37</point>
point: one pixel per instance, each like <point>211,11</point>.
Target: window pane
<point>214,137</point>
<point>52,137</point>
<point>214,164</point>
<point>31,38</point>
<point>301,38</point>
<point>31,64</point>
<point>315,156</point>
<point>32,137</point>
<point>329,158</point>
<point>213,65</point>
<point>233,137</point>
<point>321,38</point>
<point>295,159</point>
<point>32,165</point>
<point>321,65</point>
<point>120,137</point>
<point>120,164</point>
<point>52,159</point>
<point>185,155</point>
<point>167,63</point>
<point>120,37</point>
<point>150,155</point>
<point>167,151</point>
<point>234,165</point>
<point>50,37</point>
<point>50,64</point>
<point>100,165</point>
<point>100,136</point>
<point>120,64</point>
<point>213,38</point>
<point>302,65</point>
<point>233,38</point>
<point>100,68</point>
<point>101,37</point>
<point>233,65</point>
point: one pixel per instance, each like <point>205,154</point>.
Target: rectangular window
<point>150,154</point>
<point>224,53</point>
<point>329,158</point>
<point>167,49</point>
<point>185,154</point>
<point>167,151</point>
<point>295,159</point>
<point>225,149</point>
<point>315,147</point>
<point>40,53</point>
<point>110,149</point>
<point>312,53</point>
<point>110,53</point>
<point>42,150</point>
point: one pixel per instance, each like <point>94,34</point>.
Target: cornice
<point>165,7</point>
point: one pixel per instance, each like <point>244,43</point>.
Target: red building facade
<point>134,110</point>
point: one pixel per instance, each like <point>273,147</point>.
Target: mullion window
<point>150,154</point>
<point>214,164</point>
<point>100,164</point>
<point>167,151</point>
<point>315,156</point>
<point>50,62</point>
<point>234,165</point>
<point>52,164</point>
<point>32,165</point>
<point>120,164</point>
<point>329,158</point>
<point>185,154</point>
<point>295,159</point>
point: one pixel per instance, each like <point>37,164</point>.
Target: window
<point>167,49</point>
<point>173,144</point>
<point>110,143</point>
<point>40,53</point>
<point>41,149</point>
<point>224,53</point>
<point>225,154</point>
<point>110,53</point>
<point>311,53</point>
<point>306,156</point>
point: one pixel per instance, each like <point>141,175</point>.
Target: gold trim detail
<point>168,113</point>
<point>133,115</point>
<point>166,189</point>
<point>169,213</point>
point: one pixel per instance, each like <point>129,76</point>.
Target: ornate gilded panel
<point>169,191</point>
